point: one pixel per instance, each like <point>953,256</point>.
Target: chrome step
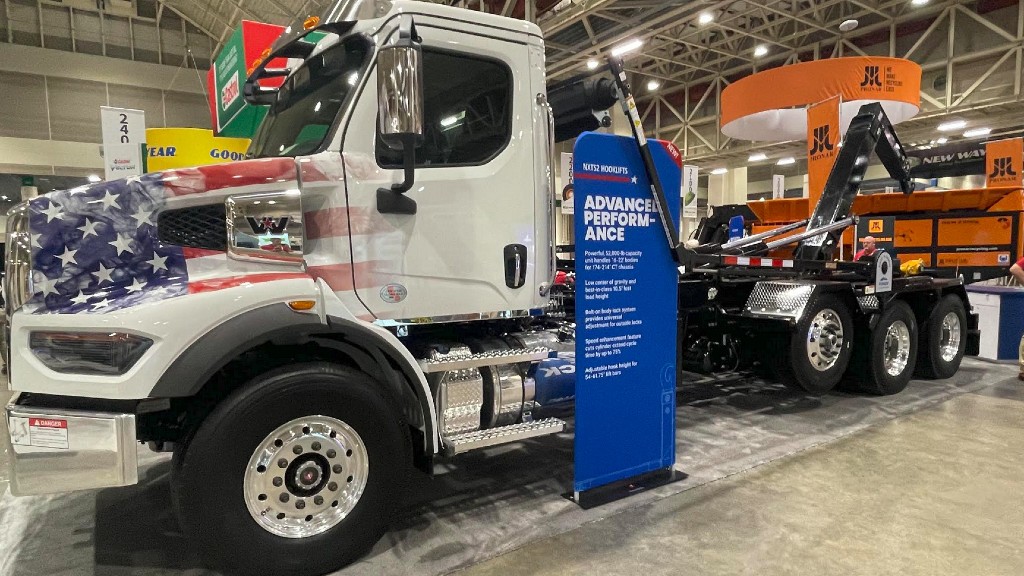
<point>483,438</point>
<point>486,359</point>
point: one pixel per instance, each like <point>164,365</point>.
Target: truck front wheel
<point>294,473</point>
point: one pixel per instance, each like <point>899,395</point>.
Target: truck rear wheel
<point>295,473</point>
<point>944,339</point>
<point>886,361</point>
<point>819,348</point>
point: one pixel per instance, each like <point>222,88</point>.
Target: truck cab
<point>304,327</point>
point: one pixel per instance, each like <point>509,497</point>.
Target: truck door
<point>470,249</point>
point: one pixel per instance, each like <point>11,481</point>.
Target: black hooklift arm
<point>660,201</point>
<point>869,131</point>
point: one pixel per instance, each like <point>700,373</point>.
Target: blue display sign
<point>736,228</point>
<point>626,286</point>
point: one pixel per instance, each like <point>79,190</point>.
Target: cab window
<point>467,112</point>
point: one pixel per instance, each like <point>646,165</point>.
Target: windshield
<point>309,101</point>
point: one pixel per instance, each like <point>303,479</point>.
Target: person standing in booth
<point>1017,271</point>
<point>868,250</point>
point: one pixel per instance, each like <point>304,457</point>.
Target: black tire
<point>870,372</point>
<point>209,471</point>
<point>930,363</point>
<point>793,362</point>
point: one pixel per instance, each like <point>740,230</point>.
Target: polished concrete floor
<point>936,492</point>
<point>925,482</point>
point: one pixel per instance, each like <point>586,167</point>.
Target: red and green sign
<point>248,46</point>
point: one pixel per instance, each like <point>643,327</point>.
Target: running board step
<point>485,359</point>
<point>483,438</point>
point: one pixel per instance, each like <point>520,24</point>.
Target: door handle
<point>515,265</point>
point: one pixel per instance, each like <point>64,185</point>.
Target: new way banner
<point>626,285</point>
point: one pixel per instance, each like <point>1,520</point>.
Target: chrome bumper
<point>55,450</point>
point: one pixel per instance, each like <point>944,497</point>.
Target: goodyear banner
<point>822,146</point>
<point>626,285</point>
<point>170,148</point>
<point>1004,160</point>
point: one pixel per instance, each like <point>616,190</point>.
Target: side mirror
<point>400,95</point>
<point>400,111</point>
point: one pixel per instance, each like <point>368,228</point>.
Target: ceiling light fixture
<point>942,140</point>
<point>705,18</point>
<point>786,161</point>
<point>627,46</point>
<point>918,2</point>
<point>757,157</point>
<point>760,50</point>
<point>952,125</point>
<point>719,171</point>
<point>592,64</point>
<point>975,132</point>
<point>653,85</point>
<point>848,25</point>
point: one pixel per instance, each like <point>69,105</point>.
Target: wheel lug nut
<point>284,497</point>
<point>300,504</point>
<point>278,481</point>
<point>297,450</point>
<point>331,453</point>
<point>282,463</point>
<point>332,486</point>
<point>318,500</point>
<point>337,469</point>
<point>316,446</point>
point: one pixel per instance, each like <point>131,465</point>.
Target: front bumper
<point>61,450</point>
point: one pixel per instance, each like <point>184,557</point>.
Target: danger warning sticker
<point>40,432</point>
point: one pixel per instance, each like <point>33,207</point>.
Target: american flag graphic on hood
<point>95,248</point>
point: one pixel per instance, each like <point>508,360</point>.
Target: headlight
<point>88,352</point>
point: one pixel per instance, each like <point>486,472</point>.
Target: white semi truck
<point>304,328</point>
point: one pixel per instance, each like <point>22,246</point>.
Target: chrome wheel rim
<point>896,348</point>
<point>306,476</point>
<point>825,339</point>
<point>949,342</point>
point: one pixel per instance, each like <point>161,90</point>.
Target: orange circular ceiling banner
<point>770,105</point>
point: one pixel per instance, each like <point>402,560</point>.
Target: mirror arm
<point>393,200</point>
<point>409,157</point>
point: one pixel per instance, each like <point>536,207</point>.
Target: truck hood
<point>96,248</point>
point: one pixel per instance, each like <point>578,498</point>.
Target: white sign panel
<point>778,186</point>
<point>122,161</point>
<point>568,205</point>
<point>123,130</point>
<point>689,191</point>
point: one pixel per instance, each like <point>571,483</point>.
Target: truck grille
<point>194,227</point>
<point>18,259</point>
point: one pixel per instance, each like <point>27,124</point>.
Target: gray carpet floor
<point>479,505</point>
